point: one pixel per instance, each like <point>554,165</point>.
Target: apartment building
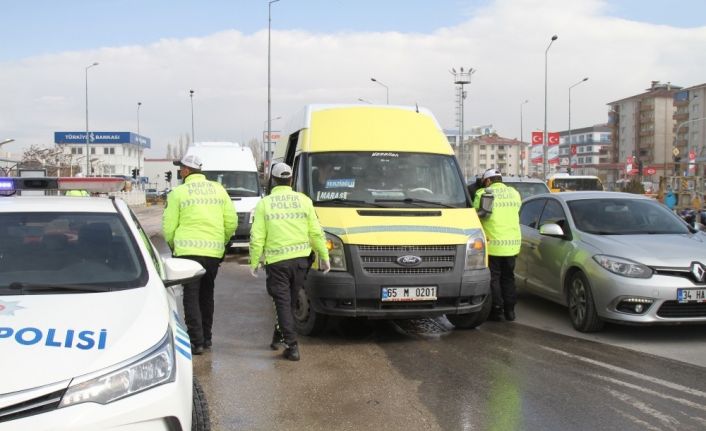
<point>463,148</point>
<point>643,127</point>
<point>592,150</point>
<point>690,126</point>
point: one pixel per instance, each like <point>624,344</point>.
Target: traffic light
<point>168,176</point>
<point>134,174</point>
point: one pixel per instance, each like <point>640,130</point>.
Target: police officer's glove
<point>325,266</point>
<point>253,271</point>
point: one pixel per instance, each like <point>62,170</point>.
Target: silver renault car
<point>611,256</point>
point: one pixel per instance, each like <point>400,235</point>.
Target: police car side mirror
<point>181,271</point>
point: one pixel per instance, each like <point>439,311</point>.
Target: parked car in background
<point>527,186</point>
<point>612,256</point>
<point>151,195</point>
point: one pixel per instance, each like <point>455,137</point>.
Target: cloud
<point>504,41</point>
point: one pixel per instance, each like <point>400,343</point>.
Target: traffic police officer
<point>502,230</point>
<point>199,221</point>
<point>285,229</point>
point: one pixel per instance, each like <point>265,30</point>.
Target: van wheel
<point>582,309</point>
<point>471,320</point>
<point>200,420</point>
<point>306,320</point>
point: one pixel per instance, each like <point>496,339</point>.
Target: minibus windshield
<point>385,179</point>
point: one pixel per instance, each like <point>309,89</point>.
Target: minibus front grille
<point>407,271</point>
<point>420,259</point>
<point>31,407</point>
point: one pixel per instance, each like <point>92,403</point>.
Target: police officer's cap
<point>281,170</point>
<point>190,161</point>
<point>490,173</point>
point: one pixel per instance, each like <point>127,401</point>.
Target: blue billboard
<point>102,138</point>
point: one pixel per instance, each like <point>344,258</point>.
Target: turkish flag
<point>537,138</point>
<point>573,149</point>
<point>553,138</point>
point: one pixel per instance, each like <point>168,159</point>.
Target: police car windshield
<point>236,183</point>
<point>389,179</point>
<point>67,249</point>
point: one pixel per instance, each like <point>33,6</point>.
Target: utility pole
<point>462,78</point>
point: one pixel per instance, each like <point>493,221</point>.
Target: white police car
<point>90,335</point>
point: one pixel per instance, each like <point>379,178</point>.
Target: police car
<point>90,334</point>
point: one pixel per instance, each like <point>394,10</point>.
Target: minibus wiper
<point>415,201</point>
<point>347,202</point>
<point>27,287</point>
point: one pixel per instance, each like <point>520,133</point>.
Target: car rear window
<point>68,248</point>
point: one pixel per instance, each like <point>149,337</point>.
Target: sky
<point>326,51</point>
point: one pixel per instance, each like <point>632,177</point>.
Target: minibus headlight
<point>336,253</point>
<point>152,368</point>
<point>475,251</point>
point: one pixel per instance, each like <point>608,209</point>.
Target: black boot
<point>496,314</point>
<point>292,352</point>
<point>510,314</point>
<point>277,340</point>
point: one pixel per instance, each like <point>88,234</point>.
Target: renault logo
<point>409,260</point>
<point>697,269</point>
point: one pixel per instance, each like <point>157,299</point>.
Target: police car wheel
<point>200,420</point>
<point>471,320</point>
<point>306,320</point>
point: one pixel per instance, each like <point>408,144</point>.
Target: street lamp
<point>139,144</point>
<point>360,99</point>
<point>544,137</point>
<point>6,141</point>
<point>88,167</point>
<point>387,90</point>
<point>522,142</point>
<point>269,98</point>
<point>571,156</point>
<point>191,95</point>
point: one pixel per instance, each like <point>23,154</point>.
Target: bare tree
<point>181,148</point>
<point>53,160</point>
<point>170,151</point>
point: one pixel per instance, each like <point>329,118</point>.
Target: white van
<point>234,166</point>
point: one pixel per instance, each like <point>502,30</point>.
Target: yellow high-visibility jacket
<point>199,218</point>
<point>502,227</point>
<point>285,227</point>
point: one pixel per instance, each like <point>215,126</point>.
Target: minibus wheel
<point>471,320</point>
<point>306,320</point>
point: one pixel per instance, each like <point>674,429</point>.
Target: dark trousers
<point>198,300</point>
<point>284,279</point>
<point>502,281</point>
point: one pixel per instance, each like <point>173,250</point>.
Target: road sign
<point>675,151</point>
